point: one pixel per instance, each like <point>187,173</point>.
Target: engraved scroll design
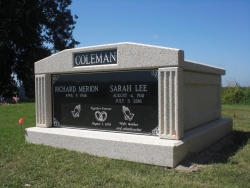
<point>56,123</point>
<point>55,78</point>
<point>155,131</point>
<point>154,73</point>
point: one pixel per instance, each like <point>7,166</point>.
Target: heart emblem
<point>101,116</point>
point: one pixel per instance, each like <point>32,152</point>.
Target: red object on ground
<point>21,120</point>
<point>235,115</point>
<point>15,99</point>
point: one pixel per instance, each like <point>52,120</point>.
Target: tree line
<point>236,95</point>
<point>31,30</point>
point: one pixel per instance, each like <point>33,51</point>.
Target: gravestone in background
<point>21,93</point>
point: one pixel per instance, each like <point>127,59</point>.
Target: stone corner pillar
<point>170,99</point>
<point>43,100</point>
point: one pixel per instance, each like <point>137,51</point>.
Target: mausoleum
<point>128,101</point>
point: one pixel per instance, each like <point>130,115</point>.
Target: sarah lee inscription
<point>118,101</point>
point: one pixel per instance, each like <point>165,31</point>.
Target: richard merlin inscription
<point>117,101</point>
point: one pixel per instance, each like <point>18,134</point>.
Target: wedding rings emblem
<point>101,116</point>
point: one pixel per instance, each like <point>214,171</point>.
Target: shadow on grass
<point>219,152</point>
<point>240,139</point>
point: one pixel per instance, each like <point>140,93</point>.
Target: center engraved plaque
<point>125,101</point>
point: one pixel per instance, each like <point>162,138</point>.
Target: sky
<point>213,32</point>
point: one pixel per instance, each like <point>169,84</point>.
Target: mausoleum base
<point>131,147</point>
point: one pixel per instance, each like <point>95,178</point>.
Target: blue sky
<point>213,32</point>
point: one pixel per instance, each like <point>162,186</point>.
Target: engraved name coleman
<point>95,58</point>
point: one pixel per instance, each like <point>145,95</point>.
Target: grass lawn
<point>23,164</point>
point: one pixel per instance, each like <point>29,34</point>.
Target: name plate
<point>95,58</point>
<point>124,101</point>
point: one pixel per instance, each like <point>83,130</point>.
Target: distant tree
<point>29,31</point>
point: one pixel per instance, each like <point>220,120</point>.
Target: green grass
<point>43,166</point>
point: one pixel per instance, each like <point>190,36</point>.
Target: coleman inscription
<point>95,58</point>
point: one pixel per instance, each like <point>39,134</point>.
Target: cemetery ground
<point>24,164</point>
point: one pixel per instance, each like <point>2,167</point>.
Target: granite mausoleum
<point>128,101</point>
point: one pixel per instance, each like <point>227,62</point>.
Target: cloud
<point>156,36</point>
